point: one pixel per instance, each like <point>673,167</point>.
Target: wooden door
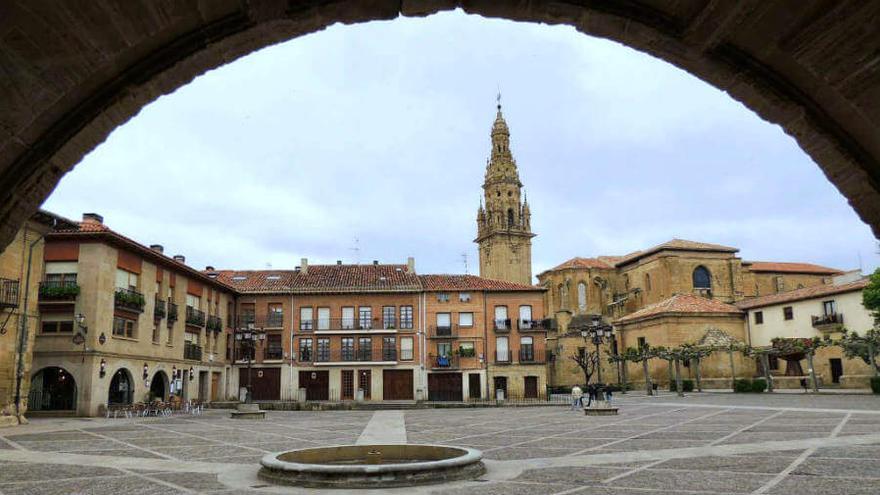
<point>215,386</point>
<point>397,384</point>
<point>316,383</point>
<point>265,382</point>
<point>836,369</point>
<point>500,383</point>
<point>530,387</point>
<point>347,384</point>
<point>444,386</point>
<point>365,379</point>
<point>474,389</point>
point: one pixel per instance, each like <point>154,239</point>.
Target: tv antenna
<point>464,258</point>
<point>356,250</point>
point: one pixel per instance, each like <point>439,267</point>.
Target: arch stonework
<point>73,73</point>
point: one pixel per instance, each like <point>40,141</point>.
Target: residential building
<point>813,313</point>
<point>121,322</point>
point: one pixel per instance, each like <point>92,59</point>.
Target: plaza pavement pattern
<point>700,444</point>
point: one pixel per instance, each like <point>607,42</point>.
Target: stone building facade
<point>121,323</point>
<point>504,230</point>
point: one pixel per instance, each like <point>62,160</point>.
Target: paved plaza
<point>700,444</point>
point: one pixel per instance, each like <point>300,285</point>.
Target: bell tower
<point>504,231</point>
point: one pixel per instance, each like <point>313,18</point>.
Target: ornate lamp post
<point>247,339</point>
<point>597,332</point>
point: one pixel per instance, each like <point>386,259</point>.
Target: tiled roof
<point>800,294</point>
<point>681,303</point>
<point>324,278</point>
<point>773,266</point>
<point>602,262</point>
<point>96,230</point>
<point>471,282</point>
<point>677,245</point>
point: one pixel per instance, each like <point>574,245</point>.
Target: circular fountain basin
<point>372,466</point>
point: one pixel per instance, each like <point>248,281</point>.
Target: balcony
<point>349,325</point>
<point>195,317</point>
<point>502,357</point>
<point>275,320</point>
<point>214,324</point>
<point>826,322</point>
<point>192,351</point>
<point>159,309</point>
<point>9,293</point>
<point>442,332</point>
<point>129,300</point>
<point>536,325</point>
<point>527,355</point>
<point>348,355</point>
<point>57,291</point>
<point>172,312</point>
<point>273,354</point>
<point>501,325</point>
<point>446,362</point>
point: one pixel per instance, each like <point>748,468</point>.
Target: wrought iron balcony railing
<point>275,320</point>
<point>214,323</point>
<point>502,357</point>
<point>129,299</point>
<point>528,355</point>
<point>347,355</point>
<point>192,351</point>
<point>159,309</point>
<point>449,361</point>
<point>273,353</point>
<point>352,324</point>
<point>8,293</point>
<point>832,319</point>
<point>195,317</point>
<point>443,332</point>
<point>501,325</point>
<point>536,325</point>
<point>172,312</point>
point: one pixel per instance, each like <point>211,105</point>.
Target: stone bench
<point>600,411</point>
<point>248,411</point>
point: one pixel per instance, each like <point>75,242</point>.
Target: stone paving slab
<point>746,464</point>
<point>815,485</point>
<point>675,481</point>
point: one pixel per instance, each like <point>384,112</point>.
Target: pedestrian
<point>591,394</point>
<point>804,384</point>
<point>608,395</point>
<point>577,397</point>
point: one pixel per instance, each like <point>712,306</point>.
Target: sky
<point>369,142</point>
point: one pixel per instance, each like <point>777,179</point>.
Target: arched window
<point>702,278</point>
<point>647,282</point>
<point>582,296</point>
<point>510,217</point>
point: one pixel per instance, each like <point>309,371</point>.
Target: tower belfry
<point>504,232</point>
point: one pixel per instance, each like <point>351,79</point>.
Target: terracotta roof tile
<point>681,303</point>
<point>471,282</point>
<point>601,262</point>
<point>324,278</point>
<point>773,266</point>
<point>800,294</point>
<point>677,245</point>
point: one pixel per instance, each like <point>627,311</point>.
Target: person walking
<point>577,397</point>
<point>591,394</point>
<point>608,395</point>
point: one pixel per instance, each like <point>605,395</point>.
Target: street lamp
<point>597,332</point>
<point>247,338</point>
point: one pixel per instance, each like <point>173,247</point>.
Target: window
<point>502,354</point>
<point>194,302</point>
<point>563,294</point>
<point>275,317</point>
<point>389,349</point>
<point>323,350</point>
<point>442,297</point>
<point>388,314</point>
<point>444,349</point>
<point>57,326</point>
<point>348,317</point>
<point>155,334</point>
<point>306,319</point>
<point>274,349</point>
<point>126,279</point>
<point>780,284</point>
<point>828,308</point>
<point>510,217</point>
<point>466,349</point>
<point>406,348</point>
<point>365,317</point>
<point>365,349</point>
<point>444,321</point>
<point>465,319</point>
<point>788,313</point>
<point>123,327</point>
<point>642,343</point>
<point>464,296</point>
<point>305,350</point>
<point>323,318</point>
<point>61,273</point>
<point>702,278</point>
<point>348,348</point>
<point>582,296</point>
<point>759,317</point>
<point>526,349</point>
<point>170,340</point>
<point>647,282</point>
<point>525,316</point>
<point>501,320</point>
<point>406,317</point>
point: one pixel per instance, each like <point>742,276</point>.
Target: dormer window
<point>272,277</point>
<point>239,278</point>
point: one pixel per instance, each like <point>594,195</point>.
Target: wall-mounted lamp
<point>173,372</point>
<point>102,338</point>
<point>146,371</point>
<point>103,369</point>
<point>191,374</point>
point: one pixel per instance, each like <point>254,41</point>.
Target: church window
<point>582,296</point>
<point>702,278</point>
<point>510,217</point>
<point>647,282</point>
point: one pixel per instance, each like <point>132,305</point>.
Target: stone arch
<point>75,74</point>
<point>159,386</point>
<point>120,391</point>
<point>53,388</point>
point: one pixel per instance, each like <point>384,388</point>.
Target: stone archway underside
<point>71,73</point>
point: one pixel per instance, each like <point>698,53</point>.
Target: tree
<point>694,354</point>
<point>673,356</point>
<point>864,347</point>
<point>871,294</point>
<point>587,361</point>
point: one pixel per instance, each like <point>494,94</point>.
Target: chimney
<point>375,262</point>
<point>180,258</point>
<point>157,247</point>
<point>410,265</point>
<point>339,262</point>
<point>92,218</point>
<point>304,266</point>
<point>297,269</point>
<point>209,268</point>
